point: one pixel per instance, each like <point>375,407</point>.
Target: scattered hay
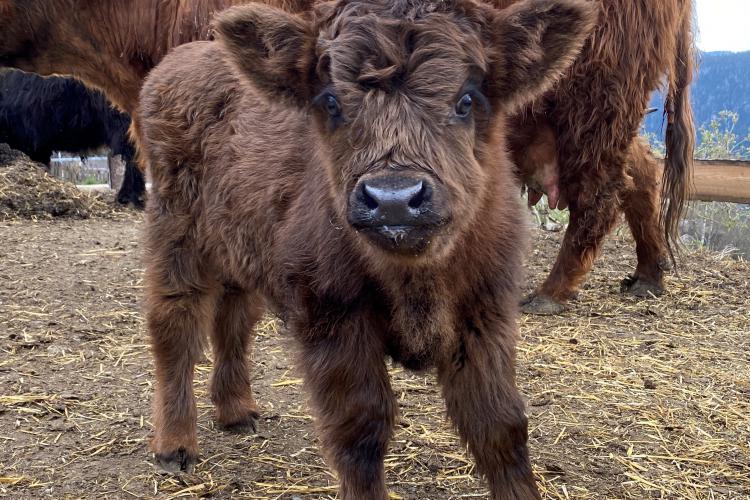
<point>627,398</point>
<point>28,191</point>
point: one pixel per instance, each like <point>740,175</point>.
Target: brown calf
<point>348,170</point>
<point>595,113</point>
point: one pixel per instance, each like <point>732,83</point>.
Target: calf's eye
<point>463,106</point>
<point>332,106</point>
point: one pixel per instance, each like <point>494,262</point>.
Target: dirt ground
<point>627,398</point>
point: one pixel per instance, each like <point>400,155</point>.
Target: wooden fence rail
<point>721,180</point>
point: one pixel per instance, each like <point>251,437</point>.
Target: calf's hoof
<point>246,425</point>
<point>641,287</point>
<point>177,461</point>
<point>237,416</point>
<point>541,305</point>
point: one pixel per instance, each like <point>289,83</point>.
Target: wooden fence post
<point>116,171</point>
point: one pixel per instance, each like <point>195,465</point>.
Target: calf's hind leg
<point>177,323</point>
<point>237,312</point>
<point>484,404</point>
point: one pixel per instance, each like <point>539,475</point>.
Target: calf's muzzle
<point>397,211</point>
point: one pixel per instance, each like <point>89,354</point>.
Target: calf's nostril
<point>420,197</point>
<point>369,197</point>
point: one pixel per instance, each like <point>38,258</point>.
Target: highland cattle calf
<point>41,115</point>
<point>347,168</point>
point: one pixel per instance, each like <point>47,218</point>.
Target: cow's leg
<point>133,187</point>
<point>484,404</point>
<point>589,223</point>
<point>347,377</point>
<point>177,321</point>
<point>641,207</point>
<point>236,314</point>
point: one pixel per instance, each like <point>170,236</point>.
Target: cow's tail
<point>680,137</point>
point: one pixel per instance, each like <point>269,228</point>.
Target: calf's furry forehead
<point>373,49</point>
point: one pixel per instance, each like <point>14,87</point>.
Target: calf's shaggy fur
<point>347,168</point>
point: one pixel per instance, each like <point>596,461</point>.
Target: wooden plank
<point>721,180</point>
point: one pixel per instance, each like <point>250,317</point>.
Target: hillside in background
<point>722,83</point>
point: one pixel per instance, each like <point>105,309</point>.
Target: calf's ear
<point>272,49</point>
<point>534,42</point>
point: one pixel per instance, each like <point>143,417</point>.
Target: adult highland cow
<point>348,169</point>
<point>595,114</point>
<point>110,45</point>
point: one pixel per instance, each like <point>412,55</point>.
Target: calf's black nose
<point>395,201</point>
<point>392,200</point>
<point>398,211</point>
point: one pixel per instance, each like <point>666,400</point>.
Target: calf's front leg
<point>348,380</point>
<point>483,402</point>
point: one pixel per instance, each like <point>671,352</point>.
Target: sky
<point>723,25</point>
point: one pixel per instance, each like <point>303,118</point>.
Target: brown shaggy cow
<point>348,169</point>
<point>595,113</point>
<point>110,45</point>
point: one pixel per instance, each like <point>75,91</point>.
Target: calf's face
<point>408,96</point>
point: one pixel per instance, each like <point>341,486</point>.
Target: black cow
<point>41,115</point>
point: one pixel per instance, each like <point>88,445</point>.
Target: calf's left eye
<point>332,106</point>
<point>464,105</point>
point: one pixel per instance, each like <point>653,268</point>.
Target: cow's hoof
<point>136,203</point>
<point>541,305</point>
<point>665,264</point>
<point>640,287</point>
<point>131,199</point>
<point>246,425</point>
<point>176,462</point>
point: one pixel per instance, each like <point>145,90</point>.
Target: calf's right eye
<point>464,105</point>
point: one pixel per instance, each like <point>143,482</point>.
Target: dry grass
<point>627,398</point>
